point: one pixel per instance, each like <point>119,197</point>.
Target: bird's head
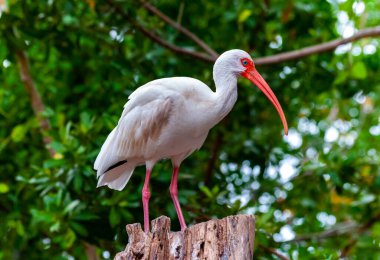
<point>239,63</point>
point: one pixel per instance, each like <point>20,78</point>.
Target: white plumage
<point>163,119</point>
<point>170,118</point>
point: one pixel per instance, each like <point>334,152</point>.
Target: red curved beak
<point>253,75</point>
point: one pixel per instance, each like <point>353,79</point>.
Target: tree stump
<point>228,238</point>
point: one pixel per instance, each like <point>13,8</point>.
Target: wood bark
<point>228,238</point>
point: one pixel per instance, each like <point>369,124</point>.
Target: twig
<point>170,46</point>
<point>35,98</point>
<point>90,251</point>
<point>159,40</point>
<point>180,12</point>
<point>181,29</point>
<point>318,48</point>
<point>375,219</point>
<point>337,230</point>
<point>274,252</point>
<point>347,249</point>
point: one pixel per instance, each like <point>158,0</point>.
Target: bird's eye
<point>244,62</point>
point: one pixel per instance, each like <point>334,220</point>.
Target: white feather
<point>167,118</point>
<point>118,177</point>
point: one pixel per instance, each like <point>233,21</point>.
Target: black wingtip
<point>116,165</point>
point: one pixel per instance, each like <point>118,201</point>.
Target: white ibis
<point>170,118</point>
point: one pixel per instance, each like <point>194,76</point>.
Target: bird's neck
<point>226,94</point>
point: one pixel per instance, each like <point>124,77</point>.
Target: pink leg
<point>174,194</point>
<point>145,200</point>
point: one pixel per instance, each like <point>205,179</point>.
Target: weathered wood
<point>228,238</point>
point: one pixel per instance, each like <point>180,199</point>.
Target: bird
<point>170,118</point>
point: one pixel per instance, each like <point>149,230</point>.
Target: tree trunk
<point>228,238</point>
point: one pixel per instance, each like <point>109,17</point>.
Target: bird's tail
<point>112,170</point>
<point>117,177</point>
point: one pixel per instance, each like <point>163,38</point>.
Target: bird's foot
<point>183,227</point>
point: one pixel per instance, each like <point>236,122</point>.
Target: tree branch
<point>340,229</point>
<point>181,29</point>
<point>172,47</point>
<point>347,249</point>
<point>90,251</point>
<point>337,230</point>
<point>318,48</point>
<point>273,59</point>
<point>35,98</point>
<point>273,252</point>
<point>157,39</point>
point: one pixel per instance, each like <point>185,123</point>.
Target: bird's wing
<point>144,117</point>
<point>141,124</point>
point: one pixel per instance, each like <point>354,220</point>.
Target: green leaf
<point>307,203</point>
<point>85,216</point>
<point>78,182</point>
<point>215,190</point>
<point>71,206</point>
<point>68,239</point>
<point>263,219</point>
<point>342,77</point>
<point>42,216</point>
<point>244,15</point>
<point>4,188</point>
<point>20,228</point>
<point>335,178</point>
<point>126,214</point>
<point>114,217</point>
<point>55,227</point>
<point>18,133</point>
<point>58,147</point>
<point>377,181</point>
<point>86,122</point>
<point>376,229</point>
<point>359,70</point>
<point>78,228</point>
<point>206,191</point>
<point>51,163</point>
<point>69,20</point>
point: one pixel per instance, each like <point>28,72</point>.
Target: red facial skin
<point>253,75</point>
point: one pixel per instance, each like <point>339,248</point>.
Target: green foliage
<point>86,59</point>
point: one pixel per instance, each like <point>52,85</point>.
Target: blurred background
<point>67,68</point>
